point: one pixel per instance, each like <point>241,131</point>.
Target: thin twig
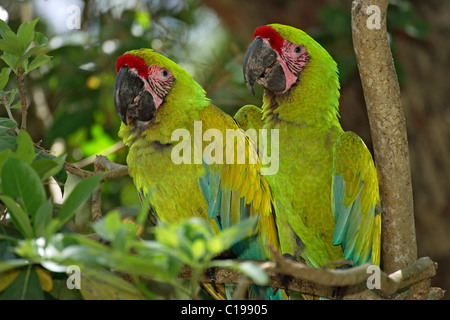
<point>101,164</point>
<point>20,80</point>
<point>115,169</point>
<point>97,195</point>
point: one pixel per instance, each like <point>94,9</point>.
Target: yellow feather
<point>235,208</point>
<point>251,192</point>
<point>244,188</point>
<point>240,176</point>
<point>235,177</point>
<point>257,200</point>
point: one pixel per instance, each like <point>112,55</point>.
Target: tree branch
<point>114,169</point>
<point>102,163</point>
<point>322,282</point>
<point>97,195</point>
<point>23,98</point>
<point>91,159</point>
<point>388,129</point>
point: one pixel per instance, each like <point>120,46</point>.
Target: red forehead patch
<point>267,32</point>
<point>133,62</point>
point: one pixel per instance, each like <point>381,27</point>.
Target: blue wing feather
<point>354,199</point>
<point>227,207</point>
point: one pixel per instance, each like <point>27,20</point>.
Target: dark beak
<point>130,97</point>
<point>260,65</point>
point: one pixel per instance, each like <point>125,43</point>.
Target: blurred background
<point>71,107</point>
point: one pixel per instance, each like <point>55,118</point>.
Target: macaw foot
<point>212,278</point>
<point>212,271</point>
<point>339,292</point>
<point>285,279</point>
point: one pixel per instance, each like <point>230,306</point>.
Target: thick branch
<point>321,282</point>
<point>388,128</point>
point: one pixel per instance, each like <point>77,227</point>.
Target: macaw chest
<point>172,189</point>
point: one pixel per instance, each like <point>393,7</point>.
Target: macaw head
<point>146,81</point>
<point>278,55</point>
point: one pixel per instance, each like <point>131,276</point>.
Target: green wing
<point>355,200</point>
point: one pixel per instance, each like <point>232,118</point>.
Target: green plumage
<point>221,193</point>
<point>326,190</point>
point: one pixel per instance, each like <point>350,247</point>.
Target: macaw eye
<point>164,73</point>
<point>297,50</point>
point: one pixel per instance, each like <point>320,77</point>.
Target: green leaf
<point>20,181</point>
<point>109,226</point>
<point>25,147</point>
<point>16,105</point>
<point>29,53</point>
<point>10,60</point>
<point>77,197</point>
<point>40,39</point>
<point>61,175</point>
<point>4,29</point>
<point>42,218</point>
<point>198,249</point>
<point>12,96</point>
<point>7,141</point>
<point>19,218</point>
<point>26,286</point>
<point>104,285</point>
<point>230,236</point>
<point>37,62</point>
<point>7,123</point>
<point>254,272</point>
<point>26,33</point>
<point>11,45</point>
<point>13,264</point>
<point>61,292</point>
<point>3,156</point>
<point>47,167</point>
<point>4,77</point>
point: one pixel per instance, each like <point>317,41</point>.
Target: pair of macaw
<point>322,204</point>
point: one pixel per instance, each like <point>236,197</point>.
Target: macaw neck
<point>313,100</point>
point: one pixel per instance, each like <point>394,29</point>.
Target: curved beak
<point>260,65</point>
<point>130,97</point>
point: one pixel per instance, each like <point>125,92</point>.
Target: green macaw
<point>326,196</point>
<point>156,100</point>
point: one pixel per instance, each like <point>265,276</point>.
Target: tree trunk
<point>390,142</point>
